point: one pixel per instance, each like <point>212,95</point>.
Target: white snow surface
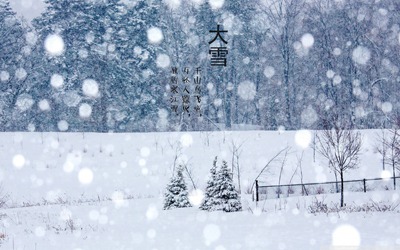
<point>105,191</point>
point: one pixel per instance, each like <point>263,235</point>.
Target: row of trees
<point>291,63</point>
<point>341,148</point>
<point>220,193</point>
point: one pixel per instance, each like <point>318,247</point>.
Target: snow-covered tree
<point>211,200</point>
<point>220,192</point>
<point>141,32</point>
<point>176,194</point>
<point>13,73</point>
<point>225,190</point>
<point>92,43</point>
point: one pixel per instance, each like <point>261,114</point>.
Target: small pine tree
<point>225,191</point>
<point>176,195</point>
<point>211,201</point>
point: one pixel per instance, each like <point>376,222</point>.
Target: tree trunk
<point>394,174</point>
<point>337,185</point>
<point>341,190</point>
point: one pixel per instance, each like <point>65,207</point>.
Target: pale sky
<point>27,8</point>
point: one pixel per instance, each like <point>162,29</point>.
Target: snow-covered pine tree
<point>140,56</point>
<point>210,200</point>
<point>176,195</point>
<point>13,70</point>
<point>225,191</point>
<point>90,31</point>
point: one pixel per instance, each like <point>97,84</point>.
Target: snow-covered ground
<point>107,190</point>
<point>142,224</point>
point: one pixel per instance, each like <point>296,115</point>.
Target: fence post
<point>365,187</point>
<point>257,190</point>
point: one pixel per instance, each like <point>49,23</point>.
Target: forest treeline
<point>291,64</point>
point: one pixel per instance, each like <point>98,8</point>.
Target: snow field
<point>108,193</point>
<point>49,165</point>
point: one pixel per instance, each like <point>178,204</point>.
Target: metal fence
<point>278,191</point>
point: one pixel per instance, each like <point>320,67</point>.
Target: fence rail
<point>263,192</point>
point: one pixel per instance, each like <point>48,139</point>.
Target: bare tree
<point>283,163</point>
<point>236,151</point>
<point>283,18</point>
<point>189,171</point>
<point>265,169</point>
<point>342,149</point>
<point>388,146</point>
<point>393,151</point>
<point>381,146</point>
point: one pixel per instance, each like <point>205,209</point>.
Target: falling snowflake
<point>31,38</point>
<point>85,110</point>
<point>24,102</point>
<point>196,197</point>
<point>216,4</point>
<point>21,74</point>
<point>18,161</point>
<point>217,102</point>
<point>57,81</point>
<point>68,167</point>
<point>145,152</point>
<point>90,88</point>
<point>337,51</point>
<point>152,212</point>
<point>337,79</point>
<point>309,116</point>
<point>387,107</point>
<point>303,138</point>
<point>63,125</point>
<point>186,140</point>
<point>330,74</point>
<point>385,174</point>
<point>163,61</point>
<point>359,112</point>
<point>173,4</point>
<point>346,236</point>
<point>44,105</point>
<point>31,127</point>
<point>85,176</point>
<point>54,45</point>
<point>155,35</point>
<point>247,90</point>
<point>307,40</point>
<point>162,113</point>
<point>269,71</point>
<point>142,162</point>
<point>118,199</point>
<point>361,55</point>
<point>4,76</point>
<point>89,37</point>
<point>145,171</point>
